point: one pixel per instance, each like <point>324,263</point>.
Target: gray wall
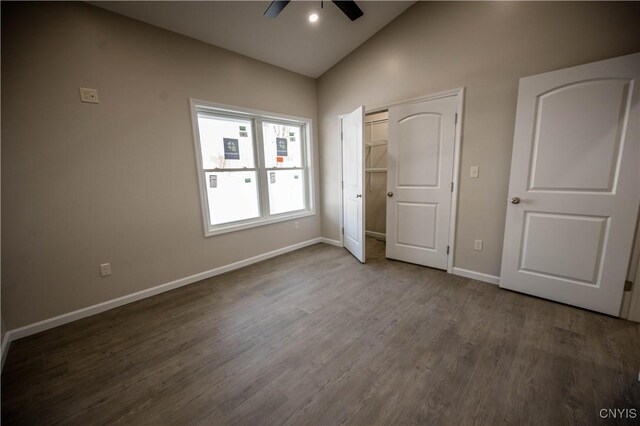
<point>116,182</point>
<point>85,184</point>
<point>486,48</point>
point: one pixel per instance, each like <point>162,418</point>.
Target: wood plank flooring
<point>314,337</point>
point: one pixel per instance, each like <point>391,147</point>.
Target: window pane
<point>232,196</point>
<point>286,190</point>
<point>226,143</point>
<point>282,145</point>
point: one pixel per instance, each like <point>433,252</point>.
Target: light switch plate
<point>89,95</point>
<point>474,172</point>
<point>477,245</point>
<point>105,269</point>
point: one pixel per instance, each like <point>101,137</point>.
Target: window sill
<point>254,223</point>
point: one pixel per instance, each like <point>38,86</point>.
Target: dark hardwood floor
<point>314,337</point>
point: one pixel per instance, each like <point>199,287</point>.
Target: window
<point>253,167</point>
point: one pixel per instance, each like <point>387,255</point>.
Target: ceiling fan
<point>349,8</point>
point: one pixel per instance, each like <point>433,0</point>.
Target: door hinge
<point>447,249</point>
<point>343,230</point>
<point>341,136</point>
<point>628,285</point>
<point>342,184</point>
<point>456,118</point>
<point>451,186</point>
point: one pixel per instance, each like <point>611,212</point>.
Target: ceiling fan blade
<point>350,8</point>
<point>275,8</point>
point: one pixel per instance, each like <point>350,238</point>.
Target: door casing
<point>459,94</point>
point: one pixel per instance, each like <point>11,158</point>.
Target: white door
<point>575,184</point>
<point>419,176</point>
<point>353,182</point>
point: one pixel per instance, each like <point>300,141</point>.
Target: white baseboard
<point>491,279</point>
<point>378,235</point>
<point>47,324</point>
<point>5,348</point>
<point>134,297</point>
<point>331,242</point>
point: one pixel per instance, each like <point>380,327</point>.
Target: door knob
<point>389,194</point>
<point>514,200</point>
<point>358,195</point>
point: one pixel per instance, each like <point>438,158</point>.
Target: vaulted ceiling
<point>289,41</point>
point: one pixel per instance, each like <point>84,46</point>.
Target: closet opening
<point>399,185</point>
<point>376,138</point>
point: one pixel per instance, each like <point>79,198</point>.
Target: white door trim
<point>634,305</point>
<point>341,191</point>
<point>443,94</point>
<point>455,179</point>
<point>459,93</point>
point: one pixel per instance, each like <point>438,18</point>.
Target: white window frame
<point>256,117</point>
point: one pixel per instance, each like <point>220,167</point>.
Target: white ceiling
<point>288,41</point>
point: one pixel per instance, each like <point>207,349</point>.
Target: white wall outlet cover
<point>89,95</point>
<point>105,269</point>
<point>477,245</point>
<point>296,225</point>
<point>474,172</point>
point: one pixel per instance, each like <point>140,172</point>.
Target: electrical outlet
<point>474,172</point>
<point>477,245</point>
<point>296,224</point>
<point>89,95</point>
<point>105,269</point>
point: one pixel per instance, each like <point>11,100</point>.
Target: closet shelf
<point>376,170</point>
<point>378,142</point>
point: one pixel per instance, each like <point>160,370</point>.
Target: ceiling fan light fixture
<point>348,7</point>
